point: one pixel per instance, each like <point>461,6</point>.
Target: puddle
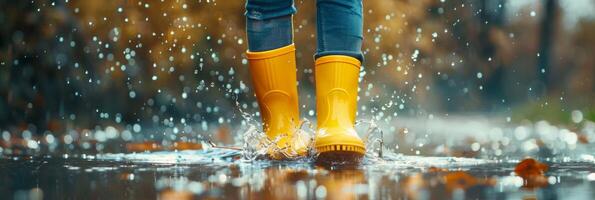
<point>222,173</point>
<point>449,165</point>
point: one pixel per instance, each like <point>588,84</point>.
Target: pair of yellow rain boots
<point>274,79</point>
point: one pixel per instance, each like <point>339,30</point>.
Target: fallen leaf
<point>143,146</point>
<point>532,172</point>
<point>187,146</point>
<point>530,167</point>
<point>583,139</point>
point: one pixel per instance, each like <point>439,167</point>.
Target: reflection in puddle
<point>394,176</point>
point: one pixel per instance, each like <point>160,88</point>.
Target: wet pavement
<point>455,166</point>
<point>221,174</point>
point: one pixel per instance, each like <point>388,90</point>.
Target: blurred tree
<point>548,23</point>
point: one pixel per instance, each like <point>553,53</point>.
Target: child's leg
<point>271,56</point>
<point>340,28</point>
<point>337,68</point>
<point>268,24</point>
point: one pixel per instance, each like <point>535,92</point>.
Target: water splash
<point>257,145</point>
<point>374,138</point>
<point>251,138</point>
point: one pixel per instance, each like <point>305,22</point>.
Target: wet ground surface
<point>432,160</point>
<point>219,173</point>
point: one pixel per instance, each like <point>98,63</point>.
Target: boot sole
<point>340,154</point>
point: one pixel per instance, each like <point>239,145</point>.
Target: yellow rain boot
<point>274,78</point>
<point>336,104</point>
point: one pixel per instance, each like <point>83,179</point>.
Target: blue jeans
<point>339,26</point>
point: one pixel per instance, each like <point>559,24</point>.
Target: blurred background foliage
<point>67,64</point>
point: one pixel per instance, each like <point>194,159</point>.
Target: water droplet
<point>136,128</point>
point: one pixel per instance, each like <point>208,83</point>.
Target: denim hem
<point>357,55</point>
